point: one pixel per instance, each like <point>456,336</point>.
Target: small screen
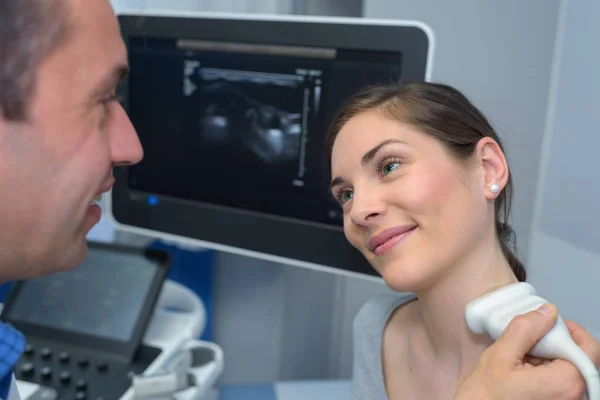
<point>243,125</point>
<point>104,297</point>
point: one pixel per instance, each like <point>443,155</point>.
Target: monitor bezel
<point>108,346</point>
<point>175,219</point>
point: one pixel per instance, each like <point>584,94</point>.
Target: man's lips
<point>104,189</point>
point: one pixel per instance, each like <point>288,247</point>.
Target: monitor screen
<point>233,114</point>
<point>242,126</point>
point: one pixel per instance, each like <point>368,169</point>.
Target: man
<point>61,133</point>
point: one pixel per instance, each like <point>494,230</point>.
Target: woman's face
<point>409,207</point>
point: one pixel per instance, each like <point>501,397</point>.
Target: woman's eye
<point>345,195</point>
<point>387,168</point>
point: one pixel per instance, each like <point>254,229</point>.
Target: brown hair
<point>29,31</point>
<point>447,115</point>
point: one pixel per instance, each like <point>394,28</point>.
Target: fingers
<point>524,331</point>
<point>535,361</point>
<point>560,379</point>
<point>586,341</point>
<point>552,379</point>
<point>574,328</point>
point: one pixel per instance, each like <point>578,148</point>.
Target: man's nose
<point>125,145</point>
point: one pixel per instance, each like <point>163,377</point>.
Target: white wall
<point>565,250</point>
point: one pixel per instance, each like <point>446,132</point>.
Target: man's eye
<point>110,98</point>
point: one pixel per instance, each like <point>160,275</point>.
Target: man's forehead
<point>95,20</point>
<point>84,11</point>
<point>96,45</point>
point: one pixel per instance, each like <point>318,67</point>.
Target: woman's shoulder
<point>374,314</point>
<point>369,327</point>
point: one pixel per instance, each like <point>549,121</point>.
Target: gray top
<point>369,324</point>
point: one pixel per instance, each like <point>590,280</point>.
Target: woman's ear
<point>495,168</point>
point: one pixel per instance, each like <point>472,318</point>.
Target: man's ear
<point>495,168</point>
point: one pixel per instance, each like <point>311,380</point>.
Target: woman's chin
<point>401,278</point>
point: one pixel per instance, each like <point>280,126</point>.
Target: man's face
<point>53,165</point>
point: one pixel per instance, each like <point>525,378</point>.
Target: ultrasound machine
<point>232,112</point>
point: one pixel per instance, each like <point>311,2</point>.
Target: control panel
<point>76,373</point>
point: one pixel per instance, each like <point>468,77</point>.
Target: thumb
<point>525,330</point>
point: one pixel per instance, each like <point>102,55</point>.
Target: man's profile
<point>61,133</point>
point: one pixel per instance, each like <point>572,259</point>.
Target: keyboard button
<point>80,395</point>
<point>45,394</point>
<point>65,377</point>
<point>46,353</point>
<point>81,385</point>
<point>102,366</point>
<point>64,357</point>
<point>46,373</point>
<point>27,369</point>
<point>29,350</point>
<point>84,362</point>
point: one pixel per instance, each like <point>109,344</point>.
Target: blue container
<point>4,289</point>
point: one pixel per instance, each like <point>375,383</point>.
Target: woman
<point>425,188</point>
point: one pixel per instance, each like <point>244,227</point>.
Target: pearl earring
<point>494,188</point>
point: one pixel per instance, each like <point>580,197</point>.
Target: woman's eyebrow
<point>370,155</point>
<point>367,158</point>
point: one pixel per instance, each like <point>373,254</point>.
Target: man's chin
<point>72,258</point>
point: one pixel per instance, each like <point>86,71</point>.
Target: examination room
<point>299,199</point>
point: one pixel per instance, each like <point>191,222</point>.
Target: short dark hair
<point>29,31</point>
<point>444,113</point>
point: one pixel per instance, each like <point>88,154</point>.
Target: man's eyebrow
<point>111,79</point>
<point>367,158</point>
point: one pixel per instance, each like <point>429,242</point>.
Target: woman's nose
<point>367,207</point>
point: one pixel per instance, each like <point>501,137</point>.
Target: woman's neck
<point>441,309</point>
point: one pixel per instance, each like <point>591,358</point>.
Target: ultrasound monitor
<point>232,112</point>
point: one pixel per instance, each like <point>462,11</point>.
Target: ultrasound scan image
<point>264,117</point>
